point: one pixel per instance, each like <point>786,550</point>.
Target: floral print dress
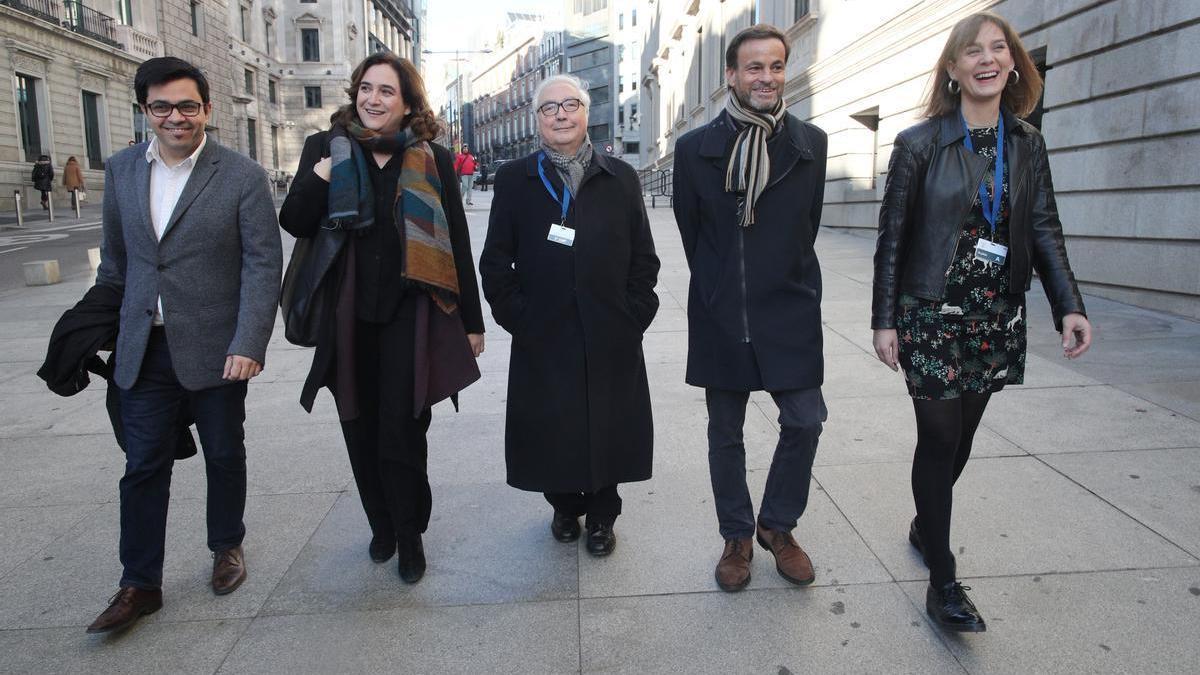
<point>973,339</point>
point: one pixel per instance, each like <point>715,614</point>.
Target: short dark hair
<point>759,31</point>
<point>166,69</point>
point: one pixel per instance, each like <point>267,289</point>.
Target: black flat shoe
<point>564,528</point>
<point>914,538</point>
<point>950,607</point>
<point>601,540</point>
<point>382,548</point>
<point>412,558</point>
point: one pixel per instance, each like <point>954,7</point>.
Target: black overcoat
<point>578,401</point>
<point>754,303</point>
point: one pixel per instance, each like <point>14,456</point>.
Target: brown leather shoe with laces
<point>125,608</point>
<point>791,561</point>
<point>229,570</point>
<point>733,570</point>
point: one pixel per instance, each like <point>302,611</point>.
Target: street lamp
<point>457,129</point>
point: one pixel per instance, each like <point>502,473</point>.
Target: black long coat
<point>754,303</point>
<point>578,401</point>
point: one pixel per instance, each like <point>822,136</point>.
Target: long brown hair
<point>423,121</point>
<point>1019,98</point>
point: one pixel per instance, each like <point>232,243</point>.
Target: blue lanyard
<point>565,202</point>
<point>993,214</point>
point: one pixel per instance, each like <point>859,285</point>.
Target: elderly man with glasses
<point>569,270</point>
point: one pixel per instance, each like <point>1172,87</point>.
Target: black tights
<point>945,430</point>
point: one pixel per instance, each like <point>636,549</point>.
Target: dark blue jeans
<point>149,412</point>
<point>801,412</point>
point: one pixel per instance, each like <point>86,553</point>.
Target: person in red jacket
<point>464,166</point>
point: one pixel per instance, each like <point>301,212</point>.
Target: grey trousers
<point>801,412</point>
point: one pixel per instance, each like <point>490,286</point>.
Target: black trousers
<point>602,506</point>
<point>150,417</point>
<point>386,443</point>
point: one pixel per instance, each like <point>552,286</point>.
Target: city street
<point>1076,523</point>
<point>66,239</point>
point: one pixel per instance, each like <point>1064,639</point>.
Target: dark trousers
<point>150,414</point>
<point>386,443</point>
<point>801,412</point>
<point>602,506</point>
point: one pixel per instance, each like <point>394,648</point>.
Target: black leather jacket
<point>931,184</point>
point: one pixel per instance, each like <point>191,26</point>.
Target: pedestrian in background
<point>402,323</point>
<point>191,245</point>
<point>464,166</point>
<point>43,179</point>
<point>483,178</point>
<point>569,269</point>
<point>73,180</point>
<point>749,188</point>
<point>968,214</point>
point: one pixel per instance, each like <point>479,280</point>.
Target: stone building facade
<point>505,122</point>
<point>277,69</point>
<point>602,43</point>
<point>1121,112</point>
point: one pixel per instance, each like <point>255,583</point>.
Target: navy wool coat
<point>754,303</point>
<point>578,415</point>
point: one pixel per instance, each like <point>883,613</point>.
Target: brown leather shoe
<point>791,561</point>
<point>229,570</point>
<point>125,608</point>
<point>733,570</point>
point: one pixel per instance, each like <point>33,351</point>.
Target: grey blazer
<point>217,267</point>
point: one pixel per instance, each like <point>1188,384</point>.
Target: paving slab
<point>847,629</point>
<point>668,542</point>
<point>486,544</point>
<point>70,581</point>
<point>1159,488</point>
<point>1086,419</point>
<point>541,637</point>
<point>26,531</point>
<point>1136,621</point>
<point>149,647</point>
<point>1012,515</point>
<point>1180,397</point>
<point>48,470</point>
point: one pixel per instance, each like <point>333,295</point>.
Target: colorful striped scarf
<point>419,215</point>
<point>749,167</point>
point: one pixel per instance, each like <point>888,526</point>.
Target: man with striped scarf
<point>748,193</point>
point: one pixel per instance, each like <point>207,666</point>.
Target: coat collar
<point>719,134</point>
<point>205,169</point>
<point>599,160</point>
<point>950,128</point>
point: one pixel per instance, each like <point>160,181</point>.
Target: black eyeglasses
<point>550,108</point>
<point>164,109</point>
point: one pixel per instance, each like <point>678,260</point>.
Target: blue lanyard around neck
<point>991,215</point>
<point>565,202</point>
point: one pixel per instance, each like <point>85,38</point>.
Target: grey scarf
<point>571,169</point>
<point>749,166</point>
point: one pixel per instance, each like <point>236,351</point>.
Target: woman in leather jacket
<point>968,213</point>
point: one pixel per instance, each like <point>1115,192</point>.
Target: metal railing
<point>49,10</point>
<point>657,183</point>
<point>87,21</point>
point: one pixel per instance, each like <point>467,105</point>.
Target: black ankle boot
<point>382,548</point>
<point>412,558</point>
<point>601,540</point>
<point>950,607</point>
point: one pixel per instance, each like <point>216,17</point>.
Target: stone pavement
<point>1077,524</point>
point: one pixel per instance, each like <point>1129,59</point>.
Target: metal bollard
<point>75,199</point>
<point>50,204</point>
<point>20,214</point>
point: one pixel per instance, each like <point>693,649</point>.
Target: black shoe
<point>601,540</point>
<point>914,538</point>
<point>412,558</point>
<point>564,528</point>
<point>950,607</point>
<point>382,547</point>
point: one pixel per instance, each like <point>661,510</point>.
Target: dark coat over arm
<point>579,415</point>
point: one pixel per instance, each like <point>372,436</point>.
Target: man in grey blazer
<point>192,241</point>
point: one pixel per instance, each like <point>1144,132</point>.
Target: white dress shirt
<point>166,185</point>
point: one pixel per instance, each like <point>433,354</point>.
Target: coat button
<point>149,312</point>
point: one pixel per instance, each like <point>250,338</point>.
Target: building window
<point>195,13</point>
<point>632,147</point>
<point>91,130</point>
<point>141,126</point>
<point>29,110</point>
<point>125,12</point>
<point>800,9</point>
<point>275,146</point>
<point>272,91</point>
<point>245,15</point>
<point>249,75</point>
<point>252,137</point>
<point>699,65</point>
<point>598,57</point>
<point>269,30</point>
<point>621,21</point>
<point>312,97</point>
<point>599,95</point>
<point>308,2</point>
<point>633,17</point>
<point>310,44</point>
<point>599,133</point>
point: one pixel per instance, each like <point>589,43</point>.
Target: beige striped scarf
<point>749,166</point>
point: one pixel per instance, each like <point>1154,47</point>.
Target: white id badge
<point>561,235</point>
<point>990,253</point>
